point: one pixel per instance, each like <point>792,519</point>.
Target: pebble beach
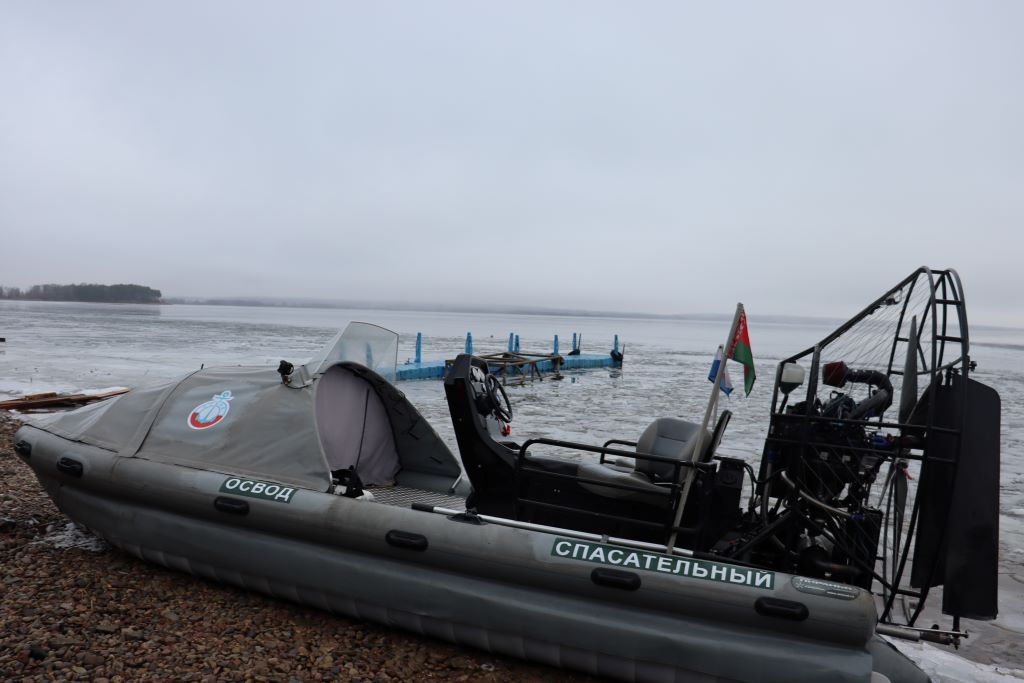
<point>73,608</point>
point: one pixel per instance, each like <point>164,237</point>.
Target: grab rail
<point>621,442</point>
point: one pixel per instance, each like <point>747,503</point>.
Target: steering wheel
<point>498,398</point>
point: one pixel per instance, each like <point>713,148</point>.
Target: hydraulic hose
<point>811,499</point>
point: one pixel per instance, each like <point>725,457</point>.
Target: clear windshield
<point>370,345</point>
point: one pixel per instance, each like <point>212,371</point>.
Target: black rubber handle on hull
<point>407,540</point>
<point>232,506</point>
<point>70,467</point>
<point>783,609</point>
<point>615,578</point>
<point>24,449</point>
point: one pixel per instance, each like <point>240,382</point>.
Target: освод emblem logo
<point>206,415</point>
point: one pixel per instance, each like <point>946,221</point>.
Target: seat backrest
<point>668,437</point>
<point>716,436</point>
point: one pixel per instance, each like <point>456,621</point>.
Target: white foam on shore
<point>72,536</point>
<point>945,666</point>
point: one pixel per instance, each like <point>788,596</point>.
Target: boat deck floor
<point>405,496</point>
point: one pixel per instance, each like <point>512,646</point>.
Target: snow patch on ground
<point>103,390</point>
<point>72,536</point>
<point>945,666</point>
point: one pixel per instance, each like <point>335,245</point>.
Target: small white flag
<point>726,385</point>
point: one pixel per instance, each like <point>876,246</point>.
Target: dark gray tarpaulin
<point>247,422</point>
<point>259,428</point>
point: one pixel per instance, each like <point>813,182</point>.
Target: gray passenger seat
<point>666,437</point>
<point>669,437</point>
<point>643,490</point>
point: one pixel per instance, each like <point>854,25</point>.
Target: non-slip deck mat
<point>405,496</point>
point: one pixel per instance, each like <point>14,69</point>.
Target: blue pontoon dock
<point>514,364</point>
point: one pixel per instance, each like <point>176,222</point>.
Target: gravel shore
<point>72,608</point>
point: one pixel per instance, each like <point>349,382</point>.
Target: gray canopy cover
<point>246,422</point>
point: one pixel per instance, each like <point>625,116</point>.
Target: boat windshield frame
<point>367,344</point>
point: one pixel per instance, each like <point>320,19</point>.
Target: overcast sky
<point>658,157</point>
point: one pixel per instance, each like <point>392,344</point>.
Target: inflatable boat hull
<point>611,611</point>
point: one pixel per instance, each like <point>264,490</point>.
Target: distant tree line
<point>113,294</point>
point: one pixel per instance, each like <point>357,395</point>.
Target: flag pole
<point>720,352</point>
<point>712,404</point>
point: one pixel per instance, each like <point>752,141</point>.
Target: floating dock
<point>514,364</point>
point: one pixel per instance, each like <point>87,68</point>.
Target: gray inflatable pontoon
<point>323,484</point>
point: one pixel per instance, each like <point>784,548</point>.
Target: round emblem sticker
<point>206,415</point>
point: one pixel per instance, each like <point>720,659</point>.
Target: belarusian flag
<point>739,350</point>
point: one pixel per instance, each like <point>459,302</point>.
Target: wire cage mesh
<point>838,486</point>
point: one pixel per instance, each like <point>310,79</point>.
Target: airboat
<point>654,559</point>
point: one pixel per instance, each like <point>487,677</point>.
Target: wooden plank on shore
<point>55,400</point>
